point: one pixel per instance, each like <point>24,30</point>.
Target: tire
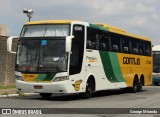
<point>134,89</point>
<point>45,95</point>
<point>140,84</point>
<point>89,90</point>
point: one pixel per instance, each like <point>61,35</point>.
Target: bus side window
<point>103,46</point>
<point>147,48</point>
<point>89,44</point>
<point>141,47</point>
<point>115,42</point>
<point>134,46</point>
<point>125,45</point>
<point>104,42</point>
<point>90,39</point>
<point>93,38</point>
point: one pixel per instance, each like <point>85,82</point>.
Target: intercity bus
<point>156,64</point>
<point>68,57</point>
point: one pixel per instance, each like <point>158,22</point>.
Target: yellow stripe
<point>122,32</point>
<point>50,22</point>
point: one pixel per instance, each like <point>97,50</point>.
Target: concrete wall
<point>7,63</point>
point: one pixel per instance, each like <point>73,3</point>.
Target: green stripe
<point>46,77</point>
<point>111,66</point>
<point>116,66</point>
<point>98,27</point>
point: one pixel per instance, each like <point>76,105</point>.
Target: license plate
<point>38,87</point>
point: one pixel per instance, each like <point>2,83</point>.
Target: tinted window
<point>108,41</point>
<point>141,47</point>
<point>126,45</point>
<point>115,42</point>
<point>134,46</point>
<point>97,39</point>
<point>148,48</point>
<point>104,42</point>
<point>77,49</point>
<point>93,38</point>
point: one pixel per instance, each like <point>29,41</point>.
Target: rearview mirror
<point>69,43</point>
<point>9,44</point>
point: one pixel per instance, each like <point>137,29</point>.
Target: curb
<point>17,95</point>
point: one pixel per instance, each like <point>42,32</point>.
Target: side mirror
<point>69,43</point>
<point>9,44</point>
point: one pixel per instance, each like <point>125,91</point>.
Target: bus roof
<point>122,31</point>
<point>50,22</point>
<point>111,28</point>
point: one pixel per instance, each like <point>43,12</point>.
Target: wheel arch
<point>92,78</point>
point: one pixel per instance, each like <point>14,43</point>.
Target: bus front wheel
<point>89,89</point>
<point>45,95</point>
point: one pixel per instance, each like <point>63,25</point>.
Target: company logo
<point>21,111</point>
<point>6,111</point>
<point>131,61</point>
<point>77,85</point>
<point>91,59</point>
<point>78,28</point>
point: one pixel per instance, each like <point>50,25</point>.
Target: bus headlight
<point>62,78</point>
<point>19,78</point>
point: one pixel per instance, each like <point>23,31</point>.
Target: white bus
<point>65,56</point>
<point>156,64</point>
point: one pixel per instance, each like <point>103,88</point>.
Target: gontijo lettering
<point>130,60</point>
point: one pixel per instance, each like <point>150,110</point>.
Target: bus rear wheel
<point>134,89</point>
<point>45,95</point>
<point>140,85</point>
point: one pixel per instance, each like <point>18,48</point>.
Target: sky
<point>141,17</point>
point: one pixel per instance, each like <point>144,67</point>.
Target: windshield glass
<point>45,31</point>
<point>156,62</point>
<point>41,55</point>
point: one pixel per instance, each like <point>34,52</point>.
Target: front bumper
<point>51,87</point>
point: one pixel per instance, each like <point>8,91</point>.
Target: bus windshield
<point>41,55</point>
<point>45,30</point>
<point>156,62</point>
